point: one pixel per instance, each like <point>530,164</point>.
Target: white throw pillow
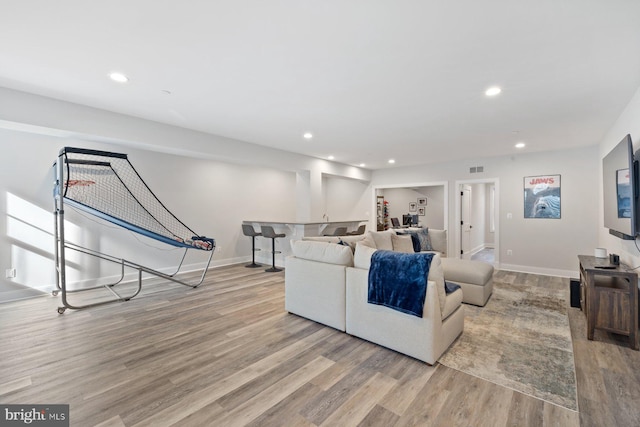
<point>382,239</point>
<point>368,240</point>
<point>402,244</point>
<point>362,256</point>
<point>438,240</point>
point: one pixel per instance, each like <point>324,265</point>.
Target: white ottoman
<point>474,277</point>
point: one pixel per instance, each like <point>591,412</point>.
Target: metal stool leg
<point>253,255</point>
<point>267,231</point>
<point>273,268</point>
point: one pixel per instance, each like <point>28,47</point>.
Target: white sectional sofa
<point>327,283</point>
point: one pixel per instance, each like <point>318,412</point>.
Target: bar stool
<point>248,231</point>
<point>339,231</point>
<point>267,231</point>
<point>359,231</point>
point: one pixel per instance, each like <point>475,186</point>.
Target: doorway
<point>403,199</point>
<point>477,220</point>
<point>466,201</point>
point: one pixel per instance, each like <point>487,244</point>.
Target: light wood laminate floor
<point>228,354</point>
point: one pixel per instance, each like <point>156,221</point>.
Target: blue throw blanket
<point>399,281</point>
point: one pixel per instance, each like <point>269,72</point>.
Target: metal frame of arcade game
<point>107,186</point>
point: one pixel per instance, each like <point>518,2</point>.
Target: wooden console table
<point>609,298</point>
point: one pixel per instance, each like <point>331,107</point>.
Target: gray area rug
<point>521,340</point>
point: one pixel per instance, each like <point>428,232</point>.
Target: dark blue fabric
<point>415,240</point>
<point>450,288</point>
<point>399,281</point>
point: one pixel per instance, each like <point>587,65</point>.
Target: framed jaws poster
<point>542,196</point>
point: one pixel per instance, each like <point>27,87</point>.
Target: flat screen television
<point>620,190</point>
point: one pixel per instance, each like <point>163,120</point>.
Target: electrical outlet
<point>10,273</point>
<point>509,252</point>
<point>219,248</point>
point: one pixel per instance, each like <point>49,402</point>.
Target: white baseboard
<point>479,248</point>
<point>474,251</point>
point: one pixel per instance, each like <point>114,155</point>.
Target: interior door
<point>465,223</point>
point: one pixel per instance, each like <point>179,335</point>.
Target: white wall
<point>212,198</point>
<point>435,211</point>
<point>46,116</point>
<point>341,197</point>
<point>627,123</point>
<point>546,246</point>
<point>210,182</point>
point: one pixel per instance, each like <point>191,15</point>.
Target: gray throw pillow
<point>425,241</point>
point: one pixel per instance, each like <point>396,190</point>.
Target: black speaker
<point>574,292</point>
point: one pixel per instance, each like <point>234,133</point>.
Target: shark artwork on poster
<point>542,196</point>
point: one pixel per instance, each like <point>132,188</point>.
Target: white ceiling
<point>371,79</point>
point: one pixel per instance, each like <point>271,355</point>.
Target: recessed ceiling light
<point>391,161</point>
<point>362,165</point>
<point>330,157</point>
<point>520,145</point>
<point>307,135</point>
<point>118,77</point>
<point>493,91</point>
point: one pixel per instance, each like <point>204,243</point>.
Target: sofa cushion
<point>467,271</point>
<point>330,253</point>
<point>382,239</point>
<point>415,241</point>
<point>349,240</point>
<point>402,244</point>
<point>368,241</point>
<point>424,239</point>
<point>438,240</point>
<point>362,256</point>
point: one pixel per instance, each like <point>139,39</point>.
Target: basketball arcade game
<point>106,185</point>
